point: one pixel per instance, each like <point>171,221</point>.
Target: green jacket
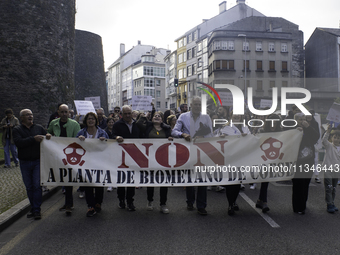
<point>72,127</point>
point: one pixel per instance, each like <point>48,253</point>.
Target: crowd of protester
<point>125,123</point>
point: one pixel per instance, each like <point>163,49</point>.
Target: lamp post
<point>245,63</point>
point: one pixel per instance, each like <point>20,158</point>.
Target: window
<point>230,45</point>
<point>189,38</point>
<point>217,45</point>
<point>199,47</point>
<point>166,104</point>
<point>149,82</point>
<point>259,65</point>
<point>180,58</point>
<point>180,74</point>
<point>224,45</point>
<point>195,35</point>
<point>180,43</point>
<point>184,57</point>
<point>158,93</point>
<point>271,47</point>
<point>199,61</point>
<point>193,52</point>
<point>284,47</point>
<point>224,65</point>
<point>149,92</point>
<point>189,70</point>
<point>247,63</point>
<point>284,66</point>
<point>189,54</point>
<point>158,82</point>
<point>184,72</point>
<point>258,46</point>
<point>158,104</point>
<point>272,66</point>
<point>194,69</point>
<point>245,46</point>
<point>259,86</point>
<point>205,43</point>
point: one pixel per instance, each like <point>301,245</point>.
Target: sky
<point>159,23</point>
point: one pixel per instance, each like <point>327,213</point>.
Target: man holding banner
<point>194,125</point>
<point>126,127</point>
<point>65,127</point>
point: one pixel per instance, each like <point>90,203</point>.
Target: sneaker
<point>202,211</point>
<point>90,212</point>
<point>131,207</point>
<point>30,214</point>
<point>121,204</point>
<point>37,216</point>
<point>301,213</point>
<point>98,208</point>
<point>44,189</point>
<point>335,208</point>
<point>253,186</point>
<point>231,210</point>
<point>242,187</point>
<point>235,207</point>
<point>63,208</point>
<point>209,188</point>
<point>190,206</point>
<point>164,209</point>
<point>109,189</point>
<point>259,204</point>
<point>220,189</point>
<point>68,210</point>
<point>265,208</point>
<point>330,209</point>
<point>82,194</point>
<point>317,180</point>
<point>150,206</point>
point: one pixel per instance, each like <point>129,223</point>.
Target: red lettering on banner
<point>216,156</point>
<point>182,154</point>
<point>135,154</point>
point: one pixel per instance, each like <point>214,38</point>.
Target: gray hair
<point>126,107</point>
<point>24,110</point>
<point>298,115</point>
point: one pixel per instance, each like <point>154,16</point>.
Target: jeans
<point>201,201</point>
<point>163,193</point>
<point>330,188</point>
<point>30,171</point>
<point>10,147</point>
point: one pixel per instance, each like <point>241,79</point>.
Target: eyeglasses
<point>117,110</point>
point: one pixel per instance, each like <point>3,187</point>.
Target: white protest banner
<point>95,101</point>
<point>141,103</point>
<point>226,98</point>
<point>334,113</point>
<point>159,162</point>
<point>266,103</point>
<point>84,107</point>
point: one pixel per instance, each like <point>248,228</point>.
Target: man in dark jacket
<point>126,127</point>
<point>27,138</point>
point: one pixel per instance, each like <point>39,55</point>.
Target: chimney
<point>138,42</point>
<point>240,1</point>
<point>223,6</point>
<point>122,49</point>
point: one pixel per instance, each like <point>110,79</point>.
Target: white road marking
<point>271,222</point>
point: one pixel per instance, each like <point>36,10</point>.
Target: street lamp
<point>245,63</point>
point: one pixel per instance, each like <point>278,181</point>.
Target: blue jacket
<point>101,133</point>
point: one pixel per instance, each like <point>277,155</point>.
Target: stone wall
<point>36,55</point>
<point>89,68</point>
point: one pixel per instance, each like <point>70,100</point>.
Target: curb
<point>11,215</point>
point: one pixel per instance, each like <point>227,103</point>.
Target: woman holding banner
<point>94,196</point>
<point>238,129</point>
<point>156,129</point>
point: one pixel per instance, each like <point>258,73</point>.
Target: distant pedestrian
<point>27,137</point>
<point>7,125</point>
<point>101,118</point>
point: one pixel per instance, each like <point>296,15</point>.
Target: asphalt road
<point>117,231</point>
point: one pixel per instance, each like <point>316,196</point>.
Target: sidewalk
<point>13,199</point>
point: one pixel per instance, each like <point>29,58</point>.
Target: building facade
<point>139,71</point>
<point>323,68</point>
